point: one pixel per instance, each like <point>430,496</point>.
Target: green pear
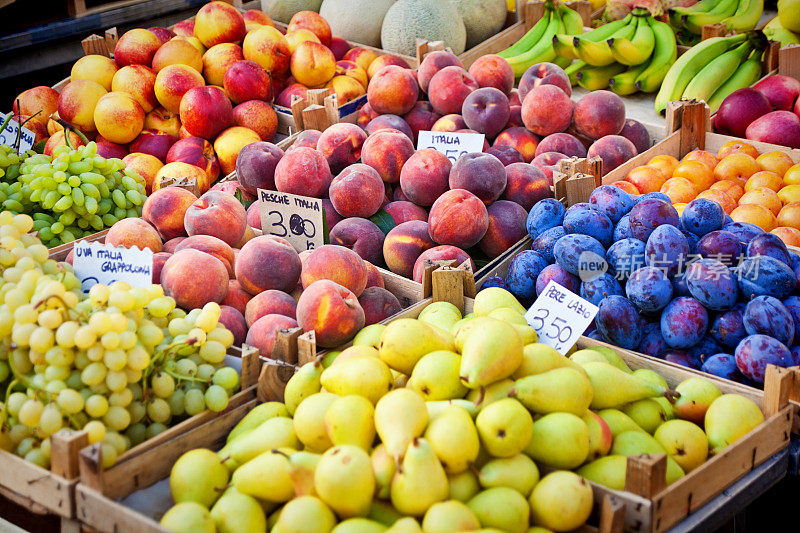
<point>420,481</point>
<point>329,357</point>
<point>494,392</point>
<point>351,420</point>
<point>363,375</point>
<point>696,396</point>
<point>454,439</point>
<point>652,376</point>
<point>630,443</point>
<point>561,501</point>
<point>729,418</point>
<point>600,436</point>
<point>405,525</point>
<point>188,517</point>
<point>538,358</point>
<point>684,442</point>
<point>370,336</point>
<point>384,468</point>
<point>492,351</point>
<point>400,416</point>
<point>452,515</point>
<point>277,432</point>
<point>648,414</point>
<point>618,421</point>
<point>198,476</point>
<point>560,440</point>
<point>309,421</point>
<point>435,376</point>
<point>305,513</point>
<point>581,357</point>
<point>501,508</point>
<point>304,383</point>
<point>613,387</point>
<point>561,390</point>
<point>236,512</point>
<point>519,473</point>
<point>608,471</point>
<point>302,465</point>
<point>440,314</point>
<point>265,477</point>
<point>505,427</point>
<point>359,525</point>
<point>493,298</point>
<point>436,408</point>
<point>612,358</point>
<point>344,480</point>
<point>406,340</point>
<point>383,513</point>
<point>463,486</point>
<point>257,415</point>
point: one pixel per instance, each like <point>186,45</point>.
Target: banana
<point>694,22</point>
<point>596,78</point>
<point>624,83</point>
<point>531,38</point>
<point>562,43</point>
<point>541,51</point>
<point>689,64</point>
<point>715,73</point>
<point>599,54</point>
<point>573,23</point>
<point>637,50</point>
<point>664,53</point>
<point>747,74</point>
<point>676,13</point>
<point>746,16</point>
<point>573,70</point>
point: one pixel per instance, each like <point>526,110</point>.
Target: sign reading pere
<point>298,219</point>
<point>451,144</point>
<point>103,263</point>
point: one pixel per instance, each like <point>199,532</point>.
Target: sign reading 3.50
<point>560,317</point>
<point>298,219</point>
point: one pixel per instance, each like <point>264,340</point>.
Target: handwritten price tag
<point>102,263</point>
<point>451,144</point>
<point>560,317</point>
<point>298,219</point>
<point>9,134</point>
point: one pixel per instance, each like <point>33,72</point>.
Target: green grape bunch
<point>71,195</point>
<point>121,363</point>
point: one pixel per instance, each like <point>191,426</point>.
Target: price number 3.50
<point>554,328</point>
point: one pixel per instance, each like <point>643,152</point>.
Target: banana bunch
<point>737,15</point>
<point>627,55</point>
<point>713,69</point>
<point>536,46</point>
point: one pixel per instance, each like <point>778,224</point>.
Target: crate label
<point>9,134</point>
<point>103,263</point>
<point>451,144</point>
<point>298,219</point>
<point>560,317</point>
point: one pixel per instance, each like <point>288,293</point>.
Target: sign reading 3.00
<point>298,219</point>
<point>560,317</point>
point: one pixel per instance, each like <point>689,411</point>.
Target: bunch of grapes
<point>71,195</point>
<point>121,363</point>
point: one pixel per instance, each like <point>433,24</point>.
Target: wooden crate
<point>53,491</point>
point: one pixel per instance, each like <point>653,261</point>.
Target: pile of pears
<point>442,423</point>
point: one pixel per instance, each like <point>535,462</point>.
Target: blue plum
<point>559,275</point>
<point>625,257</point>
<point>682,358</point>
<point>667,249</point>
<point>588,221</point>
<point>545,242</point>
<point>654,195</point>
<point>712,284</point>
<point>755,352</point>
<point>649,289</point>
<point>613,201</point>
<point>684,322</point>
<point>743,230</point>
<point>493,281</point>
<point>679,287</point>
<point>721,245</point>
<point>765,276</point>
<point>652,342</point>
<point>618,322</point>
<point>722,365</point>
<point>766,315</point>
<point>771,245</point>
<point>707,346</point>
<point>623,228</point>
<point>599,288</point>
<point>649,214</point>
<point>792,304</point>
<point>568,249</point>
<point>701,216</point>
<point>692,240</point>
<point>728,327</point>
<point>545,214</point>
<point>523,270</point>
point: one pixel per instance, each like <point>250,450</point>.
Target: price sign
<point>102,263</point>
<point>451,144</point>
<point>298,219</point>
<point>560,317</point>
<point>9,134</point>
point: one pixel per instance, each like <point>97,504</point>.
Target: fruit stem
<point>671,395</point>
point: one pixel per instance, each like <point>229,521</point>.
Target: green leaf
<point>325,233</point>
<point>239,196</point>
<point>383,220</point>
<point>39,147</point>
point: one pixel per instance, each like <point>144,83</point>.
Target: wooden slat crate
<point>60,253</point>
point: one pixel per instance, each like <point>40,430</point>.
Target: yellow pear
<point>405,525</point>
<point>276,432</point>
<point>538,358</point>
<point>406,340</point>
<point>420,481</point>
<point>582,357</point>
<point>359,525</point>
<point>304,383</point>
<point>302,465</point>
<point>370,336</point>
<point>309,421</point>
<point>613,387</point>
<point>363,375</point>
<point>435,376</point>
<point>463,486</point>
<point>436,408</point>
<point>729,418</point>
<point>559,390</point>
<point>305,513</point>
<point>344,480</point>
<point>600,436</point>
<point>454,439</point>
<point>684,442</point>
<point>560,440</point>
<point>637,443</point>
<point>452,515</point>
<point>561,501</point>
<point>608,471</point>
<point>618,421</point>
<point>257,415</point>
<point>501,508</point>
<point>505,427</point>
<point>458,325</point>
<point>400,416</point>
<point>696,396</point>
<point>235,512</point>
<point>440,314</point>
<point>384,468</point>
<point>383,512</point>
<point>188,517</point>
<point>648,414</point>
<point>650,375</point>
<point>464,331</point>
<point>197,476</point>
<point>493,298</point>
<point>330,357</point>
<point>612,358</point>
<point>351,420</point>
<point>355,351</point>
<point>518,472</point>
<point>494,392</point>
<point>526,333</point>
<point>492,351</point>
<point>265,477</point>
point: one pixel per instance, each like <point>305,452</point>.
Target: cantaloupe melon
<point>434,20</point>
<point>284,10</point>
<point>354,21</point>
<point>482,18</point>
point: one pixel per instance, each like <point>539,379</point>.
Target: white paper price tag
<point>451,144</point>
<point>9,134</point>
<point>560,317</point>
<point>102,263</point>
<point>298,219</point>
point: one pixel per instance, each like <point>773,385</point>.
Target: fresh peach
<point>232,319</point>
<point>237,297</point>
<point>40,99</point>
<point>635,132</point>
<point>130,232</point>
<point>403,211</point>
<point>789,215</point>
<point>494,71</point>
<point>331,216</point>
<point>255,167</point>
<point>599,113</point>
<point>217,214</point>
<point>789,236</point>
<point>393,122</point>
<point>254,18</point>
<point>544,74</point>
<point>679,190</point>
<point>449,123</point>
<point>303,171</point>
<point>486,110</point>
<point>269,48</point>
<point>284,98</point>
<point>136,47</point>
<point>218,59</point>
<point>118,117</point>
<point>561,143</point>
<point>352,70</point>
<point>440,253</point>
<point>178,52</point>
<point>754,214</point>
<point>159,260</point>
<point>422,117</point>
<point>506,154</point>
<point>264,331</point>
<point>764,178</point>
<point>194,278</point>
<point>205,111</point>
<point>357,191</point>
<point>515,116</point>
<point>387,152</point>
<point>77,101</point>
<point>173,82</point>
<point>378,304</point>
<point>764,197</point>
<point>481,174</point>
<point>526,185</point>
<point>424,177</point>
<point>146,165</point>
<point>269,302</point>
<point>194,41</point>
<point>737,147</point>
<point>58,139</point>
<point>393,90</point>
<point>449,88</point>
<point>258,116</point>
<point>646,179</point>
<point>246,80</point>
<point>360,235</point>
<point>335,263</point>
<point>506,227</point>
<point>313,22</point>
<point>707,158</point>
<point>198,152</point>
<point>162,121</point>
<point>789,194</point>
<point>736,167</point>
<point>384,61</point>
<point>165,209</point>
<point>331,311</point>
<point>613,150</point>
<point>731,188</point>
<point>268,262</point>
<point>341,145</point>
<point>433,63</point>
<point>363,57</point>
<point>184,28</point>
<point>212,246</point>
<point>458,218</point>
<point>229,143</point>
<point>298,36</point>
<point>697,173</point>
<point>95,67</point>
<point>626,186</point>
<point>39,130</point>
<point>163,34</point>
<point>520,139</point>
<point>345,88</point>
<point>219,22</point>
<point>546,109</point>
<point>339,47</point>
<point>374,277</point>
<point>140,82</point>
<point>777,162</point>
<point>233,187</point>
<point>727,203</point>
<point>666,164</point>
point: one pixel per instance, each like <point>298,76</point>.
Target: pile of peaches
<point>761,189</point>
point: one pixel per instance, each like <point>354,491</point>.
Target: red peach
<point>335,263</point>
<point>384,61</point>
<point>352,70</point>
<point>341,145</point>
<point>339,47</point>
<point>479,173</point>
<point>107,149</point>
<point>458,218</point>
<point>393,90</point>
<point>269,48</point>
<point>130,232</point>
<point>306,138</point>
<point>562,143</point>
<point>198,152</point>
<point>181,171</point>
<point>424,177</point>
<point>521,139</point>
<point>146,165</point>
<point>527,184</point>
<point>378,304</point>
<point>159,260</point>
<point>449,88</point>
<point>170,245</point>
<point>153,142</point>
<point>118,117</point>
<point>254,18</point>
<point>284,98</point>
<point>312,63</point>
<point>357,191</point>
<point>96,68</point>
<point>255,167</point>
<point>493,71</point>
<point>365,115</point>
<point>374,278</point>
<point>346,89</point>
<point>269,302</point>
<point>360,235</point>
<point>232,319</point>
<point>506,227</point>
<point>257,116</point>
<point>309,20</point>
<point>440,253</point>
<point>229,143</point>
<point>218,59</point>
<point>237,297</point>
<point>173,82</point>
<point>136,46</point>
<point>57,139</point>
<point>387,152</point>
<point>547,109</point>
<point>246,80</point>
<point>206,111</point>
<point>449,123</point>
<point>544,74</point>
<point>178,52</point>
<point>392,122</point>
<point>163,34</point>
<point>41,99</point>
<point>267,262</point>
<point>217,214</point>
<point>140,82</point>
<point>77,102</point>
<point>403,245</point>
<point>211,246</point>
<point>332,311</point>
<point>363,57</point>
<point>303,171</point>
<point>613,150</point>
<point>219,22</point>
<point>403,211</point>
<point>486,111</point>
<point>433,63</point>
<point>506,154</point>
<point>262,332</point>
<point>600,113</point>
<point>184,28</point>
<point>422,117</point>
